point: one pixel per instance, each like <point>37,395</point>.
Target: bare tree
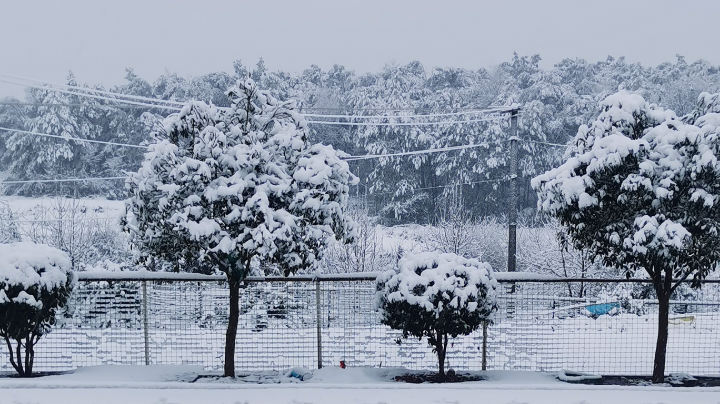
<point>366,253</point>
<point>544,248</point>
<point>454,230</point>
<point>84,233</point>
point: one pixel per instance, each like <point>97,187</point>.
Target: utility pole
<point>512,211</point>
<point>512,203</point>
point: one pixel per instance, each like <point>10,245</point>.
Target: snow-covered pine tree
<point>36,157</point>
<point>436,295</point>
<point>640,191</point>
<point>222,187</point>
<point>395,92</point>
<point>90,160</point>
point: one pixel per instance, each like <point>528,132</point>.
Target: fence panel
<point>539,327</point>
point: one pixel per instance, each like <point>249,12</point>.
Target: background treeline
<point>396,190</point>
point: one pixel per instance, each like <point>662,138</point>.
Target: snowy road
<point>356,394</point>
<point>161,385</point>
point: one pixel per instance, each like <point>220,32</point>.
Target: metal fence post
<point>484,345</point>
<point>318,322</point>
<point>146,334</point>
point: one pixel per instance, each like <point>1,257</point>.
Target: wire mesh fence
<point>541,325</point>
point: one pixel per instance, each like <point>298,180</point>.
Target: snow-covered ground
<point>161,385</point>
<point>26,208</point>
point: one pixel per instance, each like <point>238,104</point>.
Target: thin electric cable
<point>471,112</point>
<point>444,186</point>
<point>63,180</point>
<point>504,108</point>
<point>86,92</point>
<point>424,151</point>
<point>544,143</point>
<point>93,90</point>
<point>405,123</point>
<point>58,104</point>
<point>27,132</point>
<point>79,219</point>
<point>166,107</point>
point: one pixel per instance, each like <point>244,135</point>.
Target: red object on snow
<point>342,364</point>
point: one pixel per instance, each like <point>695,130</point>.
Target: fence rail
<point>317,321</point>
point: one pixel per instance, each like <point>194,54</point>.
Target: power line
<point>471,112</point>
<point>99,97</point>
<point>405,123</point>
<point>443,186</point>
<point>544,143</point>
<point>349,110</point>
<point>409,109</point>
<point>176,106</point>
<point>79,219</point>
<point>56,104</point>
<point>26,132</point>
<point>411,153</point>
<point>306,115</point>
<point>180,104</point>
<point>96,91</point>
<point>63,180</point>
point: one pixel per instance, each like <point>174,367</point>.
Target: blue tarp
<point>601,308</point>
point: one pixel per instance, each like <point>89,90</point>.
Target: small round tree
<point>437,295</point>
<point>35,280</point>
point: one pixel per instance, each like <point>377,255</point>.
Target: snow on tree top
<point>612,137</point>
<point>238,183</point>
<point>436,273</point>
<point>640,181</point>
<point>30,264</point>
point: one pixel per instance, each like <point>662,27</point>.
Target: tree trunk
<point>662,338</point>
<point>17,366</point>
<point>441,354</point>
<point>29,354</point>
<point>19,360</point>
<point>231,334</point>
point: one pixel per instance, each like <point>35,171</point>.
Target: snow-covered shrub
<point>641,190</point>
<point>35,281</point>
<point>222,188</point>
<point>436,295</point>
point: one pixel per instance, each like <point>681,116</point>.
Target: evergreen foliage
<point>640,191</point>
<point>555,102</point>
<point>222,188</point>
<point>436,295</point>
<point>35,282</point>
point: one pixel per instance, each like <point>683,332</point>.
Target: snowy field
<point>27,209</point>
<point>168,385</point>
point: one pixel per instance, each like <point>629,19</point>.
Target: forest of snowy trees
<point>397,190</point>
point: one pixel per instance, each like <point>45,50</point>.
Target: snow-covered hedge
<point>435,295</point>
<point>35,280</point>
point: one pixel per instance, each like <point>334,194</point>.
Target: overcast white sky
<point>97,40</point>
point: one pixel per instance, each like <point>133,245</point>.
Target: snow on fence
<point>144,318</point>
